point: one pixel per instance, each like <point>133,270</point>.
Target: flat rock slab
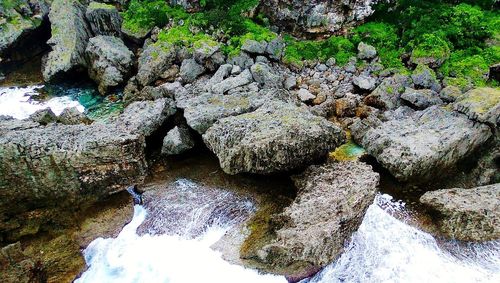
<point>467,214</point>
<point>421,145</point>
<point>330,205</point>
<point>278,136</point>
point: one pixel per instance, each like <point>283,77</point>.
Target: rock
<point>364,82</point>
<point>43,116</point>
<point>321,68</point>
<point>275,48</point>
<point>422,145</point>
<point>254,47</point>
<point>154,61</point>
<point>204,50</point>
<point>190,70</point>
<point>70,35</point>
<point>425,77</point>
<point>320,98</point>
<point>467,214</point>
<point>222,73</point>
<point>421,98</point>
<point>387,95</point>
<point>366,51</point>
<point>243,60</point>
<point>304,95</point>
<point>171,73</point>
<point>331,202</point>
<point>290,82</point>
<point>177,141</point>
<point>71,116</point>
<point>266,76</point>
<point>233,82</point>
<point>277,137</point>
<point>110,62</point>
<point>236,70</point>
<point>481,104</point>
<point>104,19</point>
<point>316,17</point>
<point>66,166</point>
<point>189,5</point>
<point>331,62</point>
<point>450,94</point>
<point>346,106</point>
<point>16,266</point>
<point>261,59</point>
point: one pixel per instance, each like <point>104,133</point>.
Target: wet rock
<point>154,61</point>
<point>366,51</point>
<point>450,94</point>
<point>104,19</point>
<point>110,62</point>
<point>271,139</point>
<point>190,70</point>
<point>330,205</point>
<point>387,95</point>
<point>70,35</point>
<point>233,82</point>
<point>304,95</point>
<point>72,116</point>
<point>177,141</point>
<point>364,82</point>
<point>481,104</point>
<point>266,76</point>
<point>424,77</point>
<point>422,145</point>
<point>467,214</point>
<point>43,116</point>
<point>421,98</point>
<point>254,47</point>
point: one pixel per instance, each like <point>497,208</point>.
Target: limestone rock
<point>450,94</point>
<point>254,47</point>
<point>154,61</point>
<point>364,82</point>
<point>421,98</point>
<point>104,19</point>
<point>366,51</point>
<point>481,104</point>
<point>43,116</point>
<point>177,141</point>
<point>233,82</point>
<point>71,116</point>
<point>305,95</point>
<point>266,76</point>
<point>387,95</point>
<point>425,77</point>
<point>190,70</point>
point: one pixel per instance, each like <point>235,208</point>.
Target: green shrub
<point>430,45</point>
<point>465,67</point>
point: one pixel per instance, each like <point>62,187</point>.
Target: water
<point>384,249</point>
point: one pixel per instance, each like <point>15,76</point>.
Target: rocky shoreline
<point>258,115</point>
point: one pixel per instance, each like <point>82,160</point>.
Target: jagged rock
<point>290,82</point>
<point>243,60</point>
<point>70,35</point>
<point>43,116</point>
<point>364,82</point>
<point>266,76</point>
<point>305,95</point>
<point>467,214</point>
<point>177,141</point>
<point>275,48</point>
<point>189,5</point>
<point>421,98</point>
<point>71,116</point>
<point>450,94</point>
<point>261,59</point>
<point>387,95</point>
<point>425,77</point>
<point>16,266</point>
<point>104,19</point>
<point>222,73</point>
<point>190,70</point>
<point>346,106</point>
<point>254,47</point>
<point>481,104</point>
<point>277,137</point>
<point>154,61</point>
<point>109,60</point>
<point>316,16</point>
<point>366,51</point>
<point>65,166</point>
<point>233,82</point>
<point>331,202</point>
<point>422,145</point>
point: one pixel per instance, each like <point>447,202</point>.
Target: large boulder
<point>104,19</point>
<point>70,35</point>
<point>421,145</point>
<point>277,137</point>
<point>481,104</point>
<point>109,60</point>
<point>387,95</point>
<point>154,61</point>
<point>317,16</point>
<point>331,202</point>
<point>65,166</point>
<point>421,98</point>
<point>467,214</point>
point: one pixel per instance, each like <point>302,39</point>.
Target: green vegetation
<point>97,5</point>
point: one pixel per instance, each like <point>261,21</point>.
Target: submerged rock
<point>330,205</point>
<point>421,145</point>
<point>70,35</point>
<point>467,214</point>
<point>110,62</point>
<point>277,137</point>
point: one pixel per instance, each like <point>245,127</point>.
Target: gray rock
<point>331,202</point>
<point>421,146</point>
<point>366,51</point>
<point>236,70</point>
<point>254,47</point>
<point>205,50</point>
<point>44,116</point>
<point>387,95</point>
<point>243,60</point>
<point>364,82</point>
<point>154,61</point>
<point>305,95</point>
<point>346,106</point>
<point>70,35</point>
<point>177,141</point>
<point>277,137</point>
<point>421,98</point>
<point>467,214</point>
<point>261,59</point>
<point>104,19</point>
<point>233,82</point>
<point>290,82</point>
<point>71,116</point>
<point>189,5</point>
<point>190,70</point>
<point>266,76</point>
<point>222,73</point>
<point>331,62</point>
<point>109,60</point>
<point>275,48</point>
<point>425,77</point>
<point>481,104</point>
<point>450,94</point>
<point>321,67</point>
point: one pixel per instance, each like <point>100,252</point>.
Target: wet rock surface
<point>467,214</point>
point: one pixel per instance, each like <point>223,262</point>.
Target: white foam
<point>17,102</point>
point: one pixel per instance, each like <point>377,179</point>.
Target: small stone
<point>366,51</point>
<point>365,82</point>
<point>320,98</point>
<point>243,60</point>
<point>331,62</point>
<point>177,141</point>
<point>421,98</point>
<point>290,82</point>
<point>236,70</point>
<point>450,94</point>
<point>304,95</point>
<point>275,48</point>
<point>321,67</point>
<point>261,59</point>
<point>190,70</point>
<point>255,47</point>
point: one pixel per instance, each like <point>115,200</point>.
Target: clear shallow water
<point>384,249</point>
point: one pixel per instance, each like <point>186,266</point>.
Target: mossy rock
<point>481,104</point>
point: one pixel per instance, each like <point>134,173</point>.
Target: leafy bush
<point>465,67</point>
<point>430,45</point>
